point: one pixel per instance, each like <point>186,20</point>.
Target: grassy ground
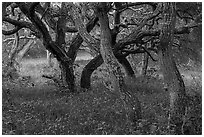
<point>33,105</point>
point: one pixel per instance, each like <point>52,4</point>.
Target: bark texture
<point>145,64</point>
<point>11,58</point>
<point>97,62</point>
<point>24,50</point>
<point>132,106</point>
<point>172,77</point>
<point>13,51</point>
<point>88,70</point>
<point>50,45</point>
<point>78,40</point>
<point>60,40</point>
<point>66,59</point>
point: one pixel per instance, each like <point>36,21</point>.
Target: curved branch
<point>125,7</point>
<point>77,41</point>
<point>47,17</point>
<point>98,61</point>
<point>59,52</point>
<point>14,22</point>
<point>82,29</point>
<point>149,54</point>
<point>135,51</point>
<point>10,32</point>
<point>142,22</point>
<point>19,25</point>
<point>44,12</point>
<point>137,35</point>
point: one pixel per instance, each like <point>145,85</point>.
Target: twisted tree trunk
<point>170,71</point>
<point>132,106</point>
<point>97,62</point>
<point>50,45</point>
<point>88,70</point>
<point>60,40</point>
<point>78,40</point>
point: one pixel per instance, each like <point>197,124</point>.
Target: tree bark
<point>97,62</point>
<point>24,50</point>
<point>128,68</point>
<point>125,63</point>
<point>60,40</point>
<point>49,61</point>
<point>107,53</point>
<point>12,62</point>
<point>133,111</point>
<point>72,52</point>
<point>50,45</point>
<point>11,69</point>
<point>61,55</point>
<point>172,76</point>
<point>145,64</point>
<point>13,50</point>
<point>88,70</point>
<point>82,30</point>
<point>77,41</point>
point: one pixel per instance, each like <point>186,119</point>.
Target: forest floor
<point>33,105</point>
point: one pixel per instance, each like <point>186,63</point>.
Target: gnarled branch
<point>82,29</point>
<point>19,25</point>
<point>127,5</point>
<point>10,32</point>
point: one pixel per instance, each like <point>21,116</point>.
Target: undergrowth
<point>41,109</point>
